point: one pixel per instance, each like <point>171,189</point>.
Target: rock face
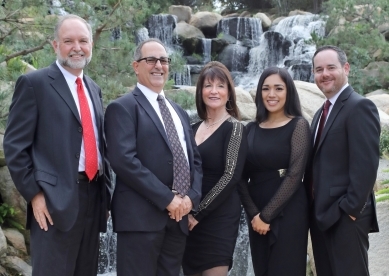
<point>311,98</point>
<point>206,22</point>
<point>16,239</point>
<point>183,30</point>
<point>266,21</point>
<point>183,13</point>
<point>232,53</point>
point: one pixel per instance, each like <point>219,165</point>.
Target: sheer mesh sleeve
<point>247,202</point>
<point>235,149</point>
<point>300,148</point>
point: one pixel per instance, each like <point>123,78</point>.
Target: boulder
<point>245,14</point>
<point>243,96</point>
<point>378,72</point>
<point>266,21</point>
<point>247,111</point>
<point>277,20</point>
<point>381,101</point>
<point>183,30</point>
<point>16,264</point>
<point>12,197</point>
<point>311,98</point>
<point>3,243</point>
<point>235,57</point>
<point>206,22</point>
<point>298,12</point>
<point>16,239</point>
<point>377,92</point>
<point>183,13</point>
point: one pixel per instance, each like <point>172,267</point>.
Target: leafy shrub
<point>7,214</point>
<point>384,142</point>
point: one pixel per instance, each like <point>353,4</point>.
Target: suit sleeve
<point>19,137</point>
<point>120,132</point>
<point>363,131</point>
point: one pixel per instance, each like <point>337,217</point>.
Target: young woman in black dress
<point>272,192</point>
<point>222,144</point>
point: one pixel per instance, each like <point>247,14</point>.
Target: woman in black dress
<point>274,197</point>
<point>222,144</point>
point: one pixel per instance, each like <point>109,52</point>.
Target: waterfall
<point>207,43</point>
<point>141,34</point>
<point>285,45</point>
<point>183,78</point>
<point>161,26</point>
<point>242,28</point>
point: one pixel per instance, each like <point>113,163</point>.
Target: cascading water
<point>161,26</point>
<point>183,78</point>
<point>207,43</point>
<point>242,28</point>
<point>286,45</point>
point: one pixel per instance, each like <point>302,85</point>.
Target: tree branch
<point>27,51</point>
<point>100,29</point>
<point>7,34</point>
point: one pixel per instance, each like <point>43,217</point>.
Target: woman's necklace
<point>214,123</point>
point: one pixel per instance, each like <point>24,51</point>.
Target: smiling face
<point>330,75</point>
<point>215,94</point>
<point>274,94</point>
<point>73,46</point>
<point>153,76</point>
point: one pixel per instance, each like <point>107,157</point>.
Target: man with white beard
<point>54,147</point>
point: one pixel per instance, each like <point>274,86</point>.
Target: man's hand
<point>175,208</point>
<point>187,204</point>
<point>259,226</point>
<point>192,222</point>
<point>40,211</point>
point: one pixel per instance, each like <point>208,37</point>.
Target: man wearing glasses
<point>151,149</point>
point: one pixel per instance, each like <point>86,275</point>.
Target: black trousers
<point>71,253</point>
<point>342,249</point>
<point>151,253</point>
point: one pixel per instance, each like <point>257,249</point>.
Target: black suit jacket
<point>344,167</point>
<point>139,153</point>
<point>42,143</point>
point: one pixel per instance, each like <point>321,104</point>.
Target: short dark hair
<point>211,71</point>
<point>292,106</point>
<point>342,57</point>
<point>138,50</point>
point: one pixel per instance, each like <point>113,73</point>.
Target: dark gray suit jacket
<point>139,153</point>
<point>344,167</point>
<point>42,143</point>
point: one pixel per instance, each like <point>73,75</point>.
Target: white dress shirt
<point>71,81</point>
<point>152,96</point>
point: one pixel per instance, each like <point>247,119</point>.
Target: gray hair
<point>342,57</point>
<point>138,50</point>
<point>71,16</point>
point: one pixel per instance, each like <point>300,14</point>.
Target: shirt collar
<point>67,74</point>
<point>336,96</point>
<point>150,95</point>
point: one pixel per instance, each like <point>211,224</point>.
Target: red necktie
<point>322,122</point>
<point>88,133</point>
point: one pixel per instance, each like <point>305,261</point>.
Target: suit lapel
<point>60,85</point>
<point>142,100</point>
<point>334,113</point>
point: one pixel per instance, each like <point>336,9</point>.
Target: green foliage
<point>7,213</point>
<point>383,198</point>
<point>352,25</point>
<point>384,142</point>
<point>383,191</point>
<point>183,98</point>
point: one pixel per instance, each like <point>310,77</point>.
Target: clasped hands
<point>259,226</point>
<point>179,207</point>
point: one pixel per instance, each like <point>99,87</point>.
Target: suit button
<point>77,155</point>
<point>170,162</point>
<point>79,129</point>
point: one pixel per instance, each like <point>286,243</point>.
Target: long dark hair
<point>292,106</point>
<point>211,71</point>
